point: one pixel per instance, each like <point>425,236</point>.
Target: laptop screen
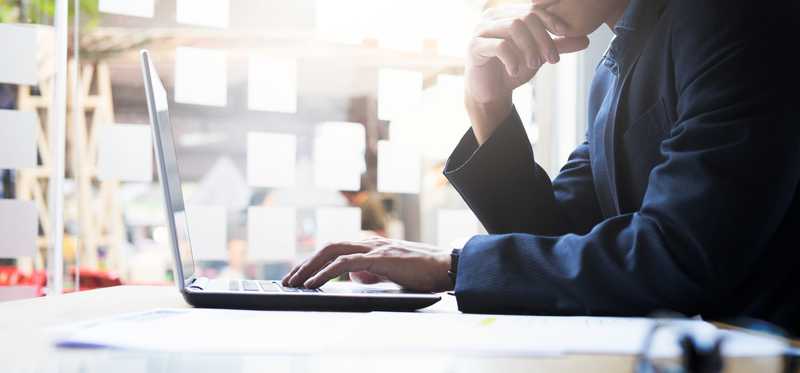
<point>170,175</point>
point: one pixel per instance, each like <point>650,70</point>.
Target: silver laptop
<point>248,294</point>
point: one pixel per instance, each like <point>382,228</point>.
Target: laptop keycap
<point>270,287</point>
<point>234,285</point>
<point>250,285</point>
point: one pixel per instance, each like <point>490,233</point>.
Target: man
<point>683,196</point>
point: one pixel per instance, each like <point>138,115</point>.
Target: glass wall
<point>26,158</point>
<point>297,123</point>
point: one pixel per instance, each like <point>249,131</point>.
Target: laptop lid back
<point>168,172</point>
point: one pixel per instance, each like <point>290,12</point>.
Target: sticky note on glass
<point>212,13</point>
<point>272,233</point>
<point>208,232</point>
<point>272,84</point>
<point>18,131</point>
<point>124,153</point>
<point>455,226</point>
<point>135,8</point>
<point>19,226</point>
<point>339,155</point>
<point>271,159</point>
<point>201,76</point>
<point>344,21</point>
<point>399,168</point>
<point>18,63</point>
<point>337,224</point>
<point>398,92</point>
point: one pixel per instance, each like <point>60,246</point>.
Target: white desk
<point>25,348</point>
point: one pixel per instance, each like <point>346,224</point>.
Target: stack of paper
<point>231,331</point>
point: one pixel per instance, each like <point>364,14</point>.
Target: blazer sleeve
<point>731,170</point>
<point>509,192</point>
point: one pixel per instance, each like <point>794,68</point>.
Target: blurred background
<point>297,122</point>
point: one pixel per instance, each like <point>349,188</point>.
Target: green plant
<point>42,11</point>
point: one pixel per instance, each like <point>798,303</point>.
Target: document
<point>239,331</point>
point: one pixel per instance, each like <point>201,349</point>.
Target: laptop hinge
<point>197,283</point>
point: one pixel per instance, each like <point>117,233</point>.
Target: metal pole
<point>57,129</point>
<point>76,111</point>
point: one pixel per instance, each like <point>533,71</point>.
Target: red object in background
<point>10,276</point>
<point>92,279</point>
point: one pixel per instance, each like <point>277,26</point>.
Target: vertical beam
<point>77,112</point>
<point>58,117</point>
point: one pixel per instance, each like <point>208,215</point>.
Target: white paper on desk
<point>125,153</point>
<point>19,226</point>
<point>234,331</point>
<point>18,63</point>
<point>201,76</point>
<point>213,13</point>
<point>18,131</point>
<point>136,8</point>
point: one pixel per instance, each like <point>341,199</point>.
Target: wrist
<point>445,283</point>
<point>487,116</point>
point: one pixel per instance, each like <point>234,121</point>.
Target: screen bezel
<point>149,73</point>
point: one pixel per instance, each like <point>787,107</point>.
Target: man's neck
<point>616,13</point>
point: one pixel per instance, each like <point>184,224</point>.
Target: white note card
<point>398,92</point>
<point>399,168</point>
<point>208,232</point>
<point>212,13</point>
<point>339,155</point>
<point>18,131</point>
<point>124,153</point>
<point>271,159</point>
<point>135,8</point>
<point>18,64</point>
<point>201,76</point>
<point>19,226</point>
<point>272,84</point>
<point>456,226</point>
<point>337,224</point>
<point>272,233</point>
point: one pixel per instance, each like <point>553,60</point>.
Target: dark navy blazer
<point>683,196</point>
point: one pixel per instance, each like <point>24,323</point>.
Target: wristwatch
<point>453,272</point>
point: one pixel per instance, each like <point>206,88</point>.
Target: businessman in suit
<point>683,196</point>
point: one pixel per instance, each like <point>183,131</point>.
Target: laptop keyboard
<point>266,287</point>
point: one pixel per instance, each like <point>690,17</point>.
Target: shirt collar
<point>638,14</point>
